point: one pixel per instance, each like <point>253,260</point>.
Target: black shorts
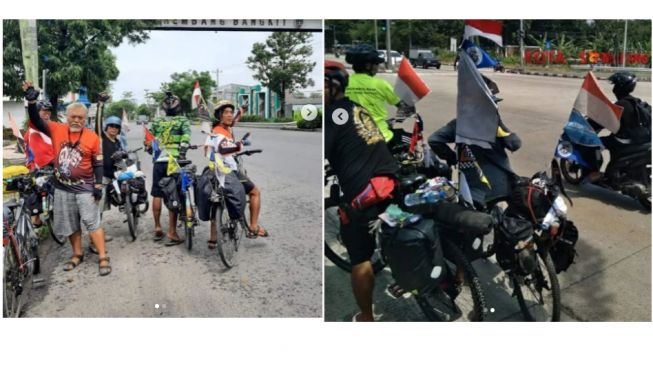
<point>356,235</point>
<point>246,182</point>
<point>159,171</point>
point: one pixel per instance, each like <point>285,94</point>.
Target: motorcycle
<point>629,170</point>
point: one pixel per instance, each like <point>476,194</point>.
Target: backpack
<point>414,254</point>
<point>643,113</point>
<point>530,201</point>
<point>509,232</point>
<point>137,185</point>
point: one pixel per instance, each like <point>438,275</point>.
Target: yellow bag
<point>10,172</point>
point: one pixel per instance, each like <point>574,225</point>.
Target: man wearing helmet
<point>371,92</point>
<point>223,145</point>
<point>634,126</point>
<point>173,134</point>
<point>360,158</point>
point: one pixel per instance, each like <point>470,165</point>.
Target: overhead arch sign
<point>263,25</point>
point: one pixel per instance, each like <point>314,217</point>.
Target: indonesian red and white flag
<point>409,86</point>
<point>125,121</point>
<point>197,95</point>
<point>490,29</point>
<point>593,103</point>
<point>14,126</point>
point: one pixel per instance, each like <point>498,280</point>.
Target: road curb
<point>559,75</point>
<point>277,125</point>
<point>302,129</point>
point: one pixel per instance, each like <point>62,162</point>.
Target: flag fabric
<point>409,86</point>
<point>197,95</point>
<point>467,163</point>
<point>150,138</point>
<point>125,121</point>
<point>480,57</point>
<point>173,166</point>
<point>593,103</point>
<point>490,29</point>
<point>38,148</point>
<point>14,126</point>
<point>418,127</point>
<point>477,116</point>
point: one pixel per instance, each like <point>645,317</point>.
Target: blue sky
<point>146,66</point>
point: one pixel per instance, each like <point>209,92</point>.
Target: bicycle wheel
<point>466,300</point>
<point>335,249</point>
<point>227,236</point>
<point>15,283</point>
<point>131,218</point>
<point>538,293</point>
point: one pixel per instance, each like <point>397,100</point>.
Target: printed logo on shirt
<point>365,126</point>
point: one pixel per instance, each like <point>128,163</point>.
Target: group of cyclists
<point>83,168</point>
<point>359,152</point>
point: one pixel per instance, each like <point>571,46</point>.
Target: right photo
<point>487,170</point>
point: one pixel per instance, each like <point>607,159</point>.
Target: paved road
<point>279,276</point>
<point>611,279</point>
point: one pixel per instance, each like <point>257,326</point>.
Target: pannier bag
<point>563,251</point>
<point>414,254</point>
<point>170,187</point>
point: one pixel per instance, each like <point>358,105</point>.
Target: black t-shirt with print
<point>356,149</point>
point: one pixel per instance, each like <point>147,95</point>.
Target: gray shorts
<point>71,210</point>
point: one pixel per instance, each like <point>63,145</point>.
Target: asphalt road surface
<point>611,279</point>
<point>278,276</point>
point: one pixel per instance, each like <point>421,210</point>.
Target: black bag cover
<point>170,187</point>
<point>414,254</point>
<point>563,251</point>
<point>33,203</point>
<point>527,200</point>
<point>114,196</point>
<point>234,194</point>
<point>509,232</point>
<point>205,185</point>
<point>137,185</point>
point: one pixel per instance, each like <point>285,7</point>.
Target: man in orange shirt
<point>78,166</point>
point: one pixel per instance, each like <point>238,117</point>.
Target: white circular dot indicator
<point>492,310</point>
<point>156,306</point>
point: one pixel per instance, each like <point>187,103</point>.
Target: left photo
<point>162,168</point>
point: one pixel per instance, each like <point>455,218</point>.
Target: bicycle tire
<point>227,241</point>
<point>529,311</point>
<point>131,219</point>
<point>471,289</point>
<point>57,239</point>
<point>15,285</point>
<point>334,248</point>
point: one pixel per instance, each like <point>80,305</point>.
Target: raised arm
<point>32,95</point>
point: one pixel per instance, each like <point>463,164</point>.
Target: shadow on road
<point>606,196</point>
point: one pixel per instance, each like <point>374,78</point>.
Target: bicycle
<point>44,180</point>
<point>20,241</point>
<point>185,178</point>
<point>444,302</point>
<point>125,191</point>
<point>229,233</point>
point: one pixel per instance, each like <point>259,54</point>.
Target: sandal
<point>158,235</point>
<point>395,291</point>
<point>104,269</point>
<point>172,242</point>
<point>72,263</point>
<point>212,244</point>
<point>257,233</point>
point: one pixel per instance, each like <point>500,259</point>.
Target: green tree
<point>76,53</point>
<point>183,84</point>
<point>116,108</point>
<point>281,63</point>
<point>144,109</point>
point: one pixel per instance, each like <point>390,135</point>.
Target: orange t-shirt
<point>222,131</point>
<point>75,155</point>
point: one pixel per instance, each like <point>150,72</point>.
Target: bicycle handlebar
<point>249,152</point>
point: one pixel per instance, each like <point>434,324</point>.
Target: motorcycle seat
<point>633,149</point>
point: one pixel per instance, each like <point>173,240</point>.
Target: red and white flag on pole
<point>409,86</point>
<point>14,126</point>
<point>197,95</point>
<point>490,29</point>
<point>593,103</point>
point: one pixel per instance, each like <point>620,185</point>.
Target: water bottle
<point>423,197</point>
<point>433,196</point>
<point>413,199</point>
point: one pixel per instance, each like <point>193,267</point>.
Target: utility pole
<point>217,82</point>
<point>376,36</point>
<point>410,35</point>
<point>521,43</point>
<point>45,73</point>
<point>625,42</point>
<point>388,47</point>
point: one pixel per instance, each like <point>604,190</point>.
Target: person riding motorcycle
<point>630,132</point>
<point>372,92</point>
